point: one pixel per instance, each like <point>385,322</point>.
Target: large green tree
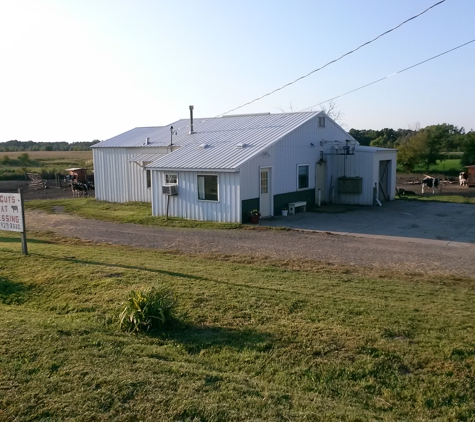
<point>468,148</point>
<point>411,150</point>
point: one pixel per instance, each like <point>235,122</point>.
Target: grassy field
<point>48,162</point>
<point>261,339</point>
<point>130,212</point>
<point>449,167</point>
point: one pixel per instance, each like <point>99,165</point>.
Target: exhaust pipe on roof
<point>191,120</point>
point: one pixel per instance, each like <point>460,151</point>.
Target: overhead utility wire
<point>333,61</point>
<point>392,74</point>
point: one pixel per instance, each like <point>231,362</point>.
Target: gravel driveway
<point>405,254</point>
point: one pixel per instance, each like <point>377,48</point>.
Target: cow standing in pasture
<point>463,178</point>
<point>432,183</point>
<point>81,189</point>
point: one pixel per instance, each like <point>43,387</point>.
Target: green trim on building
<point>246,207</point>
<point>282,200</point>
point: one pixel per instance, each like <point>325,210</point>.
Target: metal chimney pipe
<point>191,119</point>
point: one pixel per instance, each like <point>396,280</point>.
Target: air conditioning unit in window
<point>170,189</point>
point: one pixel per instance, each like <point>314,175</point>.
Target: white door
<point>265,193</point>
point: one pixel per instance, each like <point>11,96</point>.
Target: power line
<point>392,74</point>
<point>333,61</point>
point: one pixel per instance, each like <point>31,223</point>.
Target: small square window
<point>171,179</point>
<point>208,188</point>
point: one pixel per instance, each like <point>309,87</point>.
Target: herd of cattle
<point>79,189</point>
<point>83,189</point>
<point>435,184</point>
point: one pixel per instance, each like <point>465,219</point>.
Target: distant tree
<point>363,136</point>
<point>48,146</point>
<point>24,159</point>
<point>411,150</point>
<point>386,139</point>
<point>437,138</point>
<point>6,160</point>
<point>468,148</point>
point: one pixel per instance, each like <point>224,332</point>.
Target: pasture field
<point>47,162</point>
<point>261,339</point>
<point>448,167</point>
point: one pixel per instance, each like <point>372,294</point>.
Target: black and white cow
<point>431,183</point>
<point>81,189</point>
<point>463,178</point>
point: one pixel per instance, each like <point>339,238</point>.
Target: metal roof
<point>226,142</point>
<point>216,143</point>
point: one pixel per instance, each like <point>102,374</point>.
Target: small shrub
<point>148,310</point>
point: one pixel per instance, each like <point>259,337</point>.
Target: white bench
<point>293,205</point>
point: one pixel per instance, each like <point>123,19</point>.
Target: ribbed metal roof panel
<point>214,143</point>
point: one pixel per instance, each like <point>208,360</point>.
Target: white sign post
<point>12,215</point>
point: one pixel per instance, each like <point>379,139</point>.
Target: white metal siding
<point>284,157</point>
<point>186,203</point>
<point>365,164</point>
<point>118,180</point>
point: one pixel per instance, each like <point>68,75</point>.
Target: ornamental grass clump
<point>149,310</point>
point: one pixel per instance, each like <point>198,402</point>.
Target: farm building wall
<point>283,158</point>
<point>187,205</point>
<point>116,179</point>
<point>364,164</point>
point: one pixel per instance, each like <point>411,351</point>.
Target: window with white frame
<point>171,179</point>
<point>208,187</point>
<point>321,122</point>
<point>302,174</point>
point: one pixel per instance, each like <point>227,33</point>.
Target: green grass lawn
<point>130,212</point>
<point>261,339</point>
<point>450,167</point>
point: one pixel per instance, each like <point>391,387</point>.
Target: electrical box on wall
<point>352,185</point>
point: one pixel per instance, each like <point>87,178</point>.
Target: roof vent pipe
<point>191,119</point>
<point>147,140</point>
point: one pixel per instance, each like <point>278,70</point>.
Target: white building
<point>221,168</point>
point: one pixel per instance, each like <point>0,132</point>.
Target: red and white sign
<point>11,212</point>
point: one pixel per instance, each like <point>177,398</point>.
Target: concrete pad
<point>416,221</point>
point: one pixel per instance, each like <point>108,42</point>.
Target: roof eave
<point>211,170</point>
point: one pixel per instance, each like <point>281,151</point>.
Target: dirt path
<point>336,249</point>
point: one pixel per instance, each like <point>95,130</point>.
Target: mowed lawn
<point>261,339</point>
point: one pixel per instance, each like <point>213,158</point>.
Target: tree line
<point>421,146</point>
<point>14,146</point>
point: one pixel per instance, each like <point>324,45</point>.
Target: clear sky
<point>79,70</point>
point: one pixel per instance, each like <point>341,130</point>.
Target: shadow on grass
<point>127,267</point>
<point>169,273</point>
<point>195,339</point>
<point>18,240</point>
<point>12,293</point>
